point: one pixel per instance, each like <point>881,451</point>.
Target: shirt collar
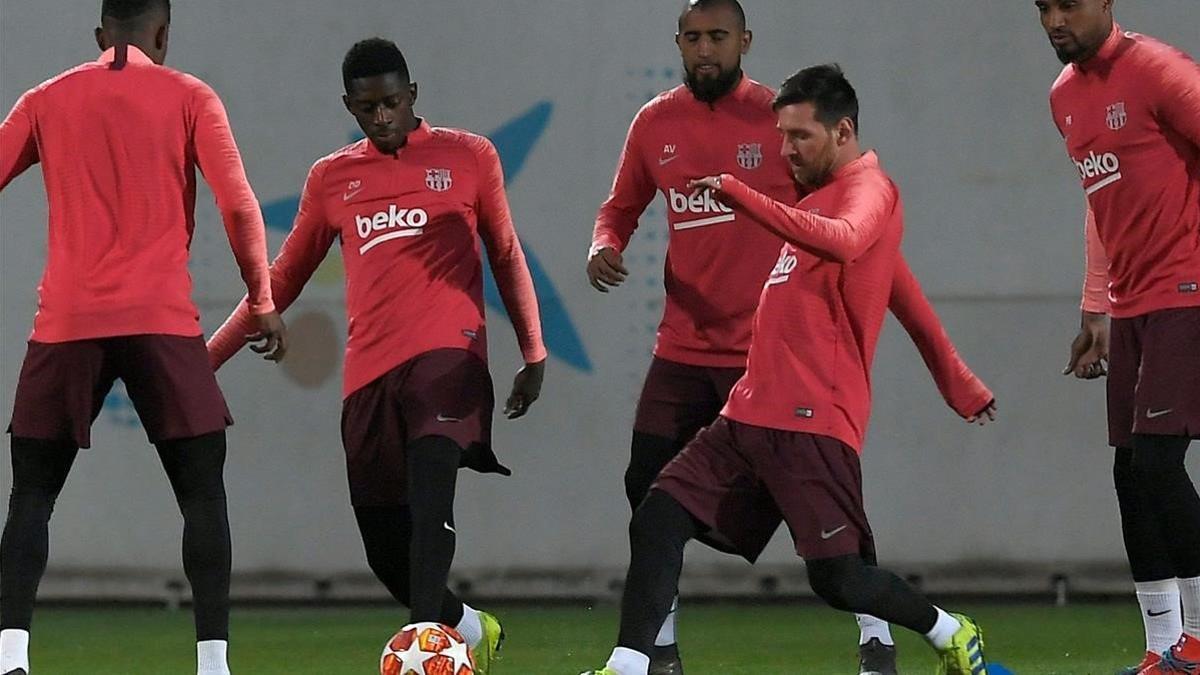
<point>867,160</point>
<point>135,56</point>
<point>1107,51</point>
<point>422,133</point>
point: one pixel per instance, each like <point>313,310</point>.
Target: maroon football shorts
<point>169,378</point>
<point>679,400</point>
<point>443,392</point>
<point>1154,376</point>
<point>742,480</point>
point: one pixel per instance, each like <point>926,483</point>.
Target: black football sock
<point>386,534</point>
<point>661,527</point>
<point>1158,462</point>
<point>1145,545</point>
<point>195,467</point>
<point>432,475</point>
<point>39,470</point>
<point>848,583</point>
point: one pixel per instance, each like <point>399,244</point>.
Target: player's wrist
<point>597,247</point>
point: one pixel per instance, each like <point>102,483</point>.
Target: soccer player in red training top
<point>409,204</point>
<point>721,120</point>
<point>119,140</point>
<point>786,444</point>
<point>1128,108</point>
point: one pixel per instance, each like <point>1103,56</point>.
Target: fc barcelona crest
<point>1116,116</point>
<point>749,155</point>
<point>438,180</point>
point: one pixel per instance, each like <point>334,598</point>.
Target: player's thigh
<point>1124,365</point>
<point>373,437</point>
<point>1167,401</point>
<point>60,390</point>
<point>447,392</point>
<point>677,400</point>
<point>713,481</point>
<point>817,483</point>
<point>170,380</point>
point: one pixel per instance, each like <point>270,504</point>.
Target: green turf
<point>716,640</point>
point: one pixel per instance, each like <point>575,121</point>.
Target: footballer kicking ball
<point>427,649</point>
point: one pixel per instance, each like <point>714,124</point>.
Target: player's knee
<point>837,582</point>
<point>654,522</point>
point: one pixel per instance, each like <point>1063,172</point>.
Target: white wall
<point>954,98</point>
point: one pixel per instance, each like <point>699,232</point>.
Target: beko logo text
<point>698,203</point>
<point>401,222</point>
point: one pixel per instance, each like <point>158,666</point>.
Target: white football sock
<point>944,630</point>
<point>869,627</point>
<point>1189,595</point>
<point>1161,615</point>
<point>212,657</point>
<point>666,634</point>
<point>470,627</point>
<point>628,662</point>
<point>14,649</point>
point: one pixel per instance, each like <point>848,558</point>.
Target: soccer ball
<point>427,649</point>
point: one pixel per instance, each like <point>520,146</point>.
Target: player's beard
<point>813,175</point>
<point>710,89</point>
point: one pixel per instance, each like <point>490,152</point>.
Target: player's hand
<point>706,183</point>
<point>988,414</point>
<point>527,386</point>
<point>272,333</point>
<point>605,266</point>
<point>1089,349</point>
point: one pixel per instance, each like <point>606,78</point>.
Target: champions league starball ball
<point>426,649</point>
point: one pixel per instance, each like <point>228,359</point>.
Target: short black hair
<point>824,86</point>
<point>129,11</point>
<point>708,4</point>
<point>373,56</point>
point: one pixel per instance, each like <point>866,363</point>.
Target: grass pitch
<point>1085,639</point>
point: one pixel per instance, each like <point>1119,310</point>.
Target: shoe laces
<point>1174,664</point>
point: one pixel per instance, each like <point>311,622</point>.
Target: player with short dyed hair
<point>786,444</point>
<point>720,120</point>
<point>1128,107</point>
<point>409,204</point>
<point>119,140</point>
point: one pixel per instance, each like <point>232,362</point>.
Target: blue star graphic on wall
<point>514,141</point>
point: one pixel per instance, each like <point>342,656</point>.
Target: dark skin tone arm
<point>1089,349</point>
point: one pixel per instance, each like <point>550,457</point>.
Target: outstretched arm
<point>962,389</point>
<point>869,203</point>
<point>302,251</point>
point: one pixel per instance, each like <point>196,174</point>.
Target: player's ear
<point>160,38</point>
<point>346,102</point>
<point>412,90</point>
<point>845,131</point>
<point>747,38</point>
<point>101,39</point>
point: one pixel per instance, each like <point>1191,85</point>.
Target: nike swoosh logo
<point>445,418</point>
<point>1152,613</point>
<point>826,534</point>
<point>663,161</point>
<point>447,526</point>
<point>1151,414</point>
<point>351,195</point>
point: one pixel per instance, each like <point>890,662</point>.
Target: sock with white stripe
<point>871,628</point>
